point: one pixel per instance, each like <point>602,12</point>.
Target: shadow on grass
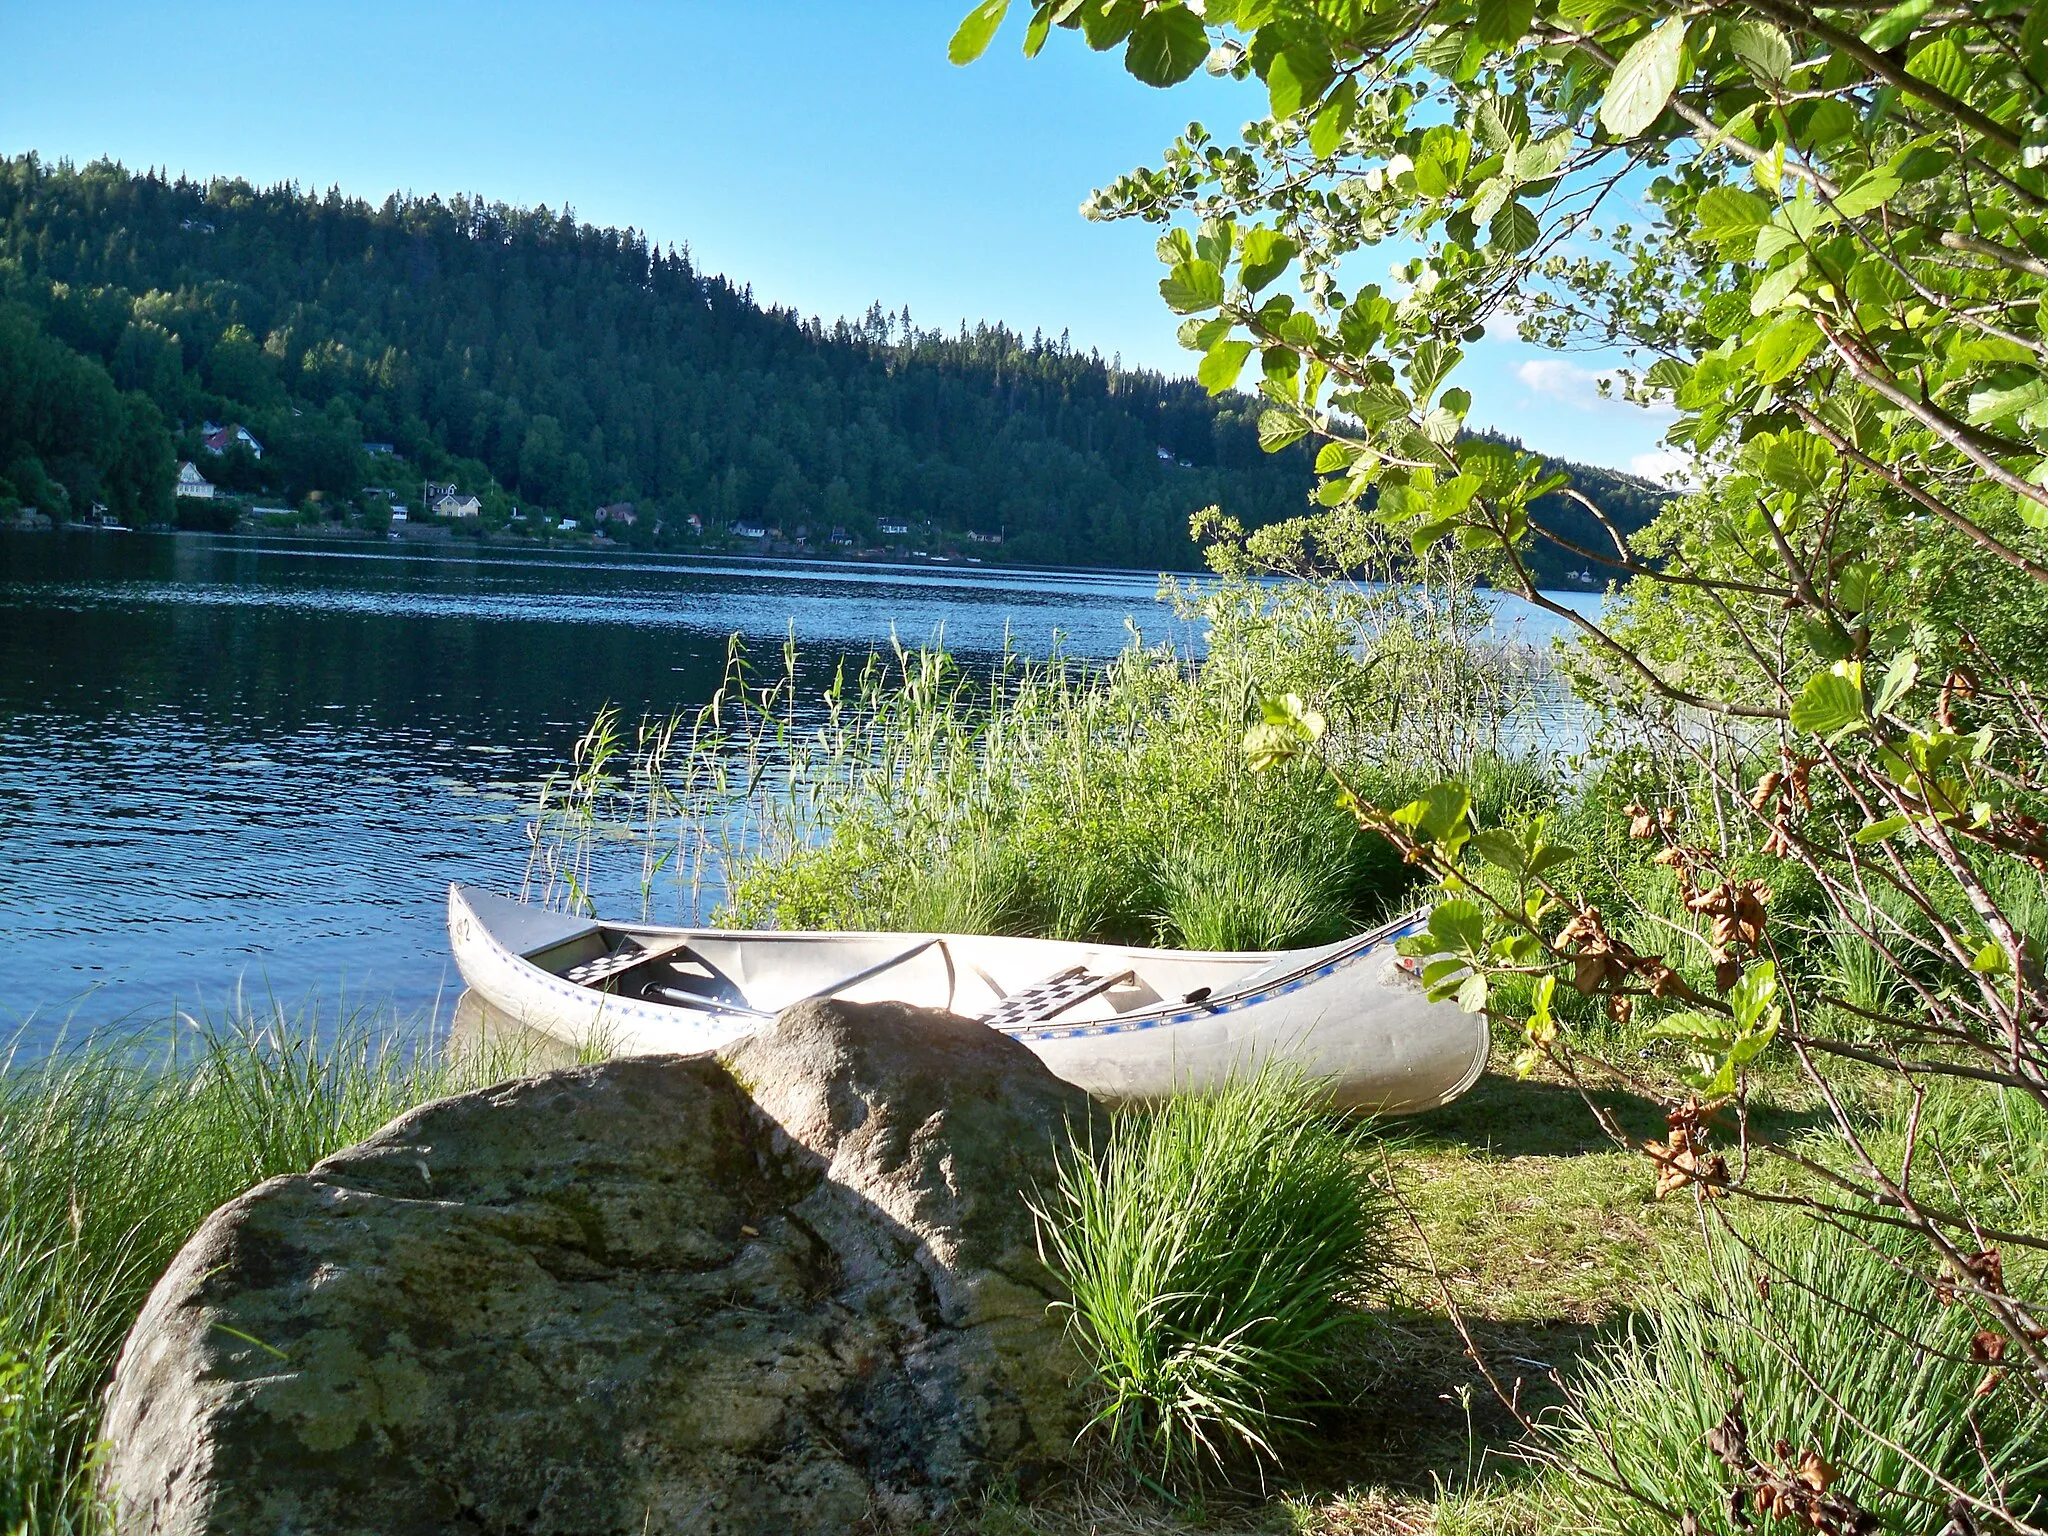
<point>1424,1419</point>
<point>1506,1116</point>
<point>1422,1425</point>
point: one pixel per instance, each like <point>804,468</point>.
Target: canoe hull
<point>1348,1014</point>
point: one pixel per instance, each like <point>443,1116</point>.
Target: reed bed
<point>1054,797</point>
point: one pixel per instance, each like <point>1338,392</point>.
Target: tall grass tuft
<point>1839,1349</point>
<point>1214,1251</point>
<point>112,1152</point>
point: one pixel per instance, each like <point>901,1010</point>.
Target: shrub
<point>1213,1251</point>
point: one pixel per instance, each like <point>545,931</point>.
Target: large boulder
<point>795,1290</point>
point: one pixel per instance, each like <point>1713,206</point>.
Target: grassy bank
<point>111,1153</point>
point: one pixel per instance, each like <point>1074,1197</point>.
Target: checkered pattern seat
<point>1051,997</point>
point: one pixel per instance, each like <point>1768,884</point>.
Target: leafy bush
<point>1212,1251</point>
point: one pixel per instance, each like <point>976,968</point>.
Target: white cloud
<point>1504,324</point>
<point>1666,466</point>
<point>1553,378</point>
<point>1566,382</point>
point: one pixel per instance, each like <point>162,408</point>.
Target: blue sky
<point>825,153</point>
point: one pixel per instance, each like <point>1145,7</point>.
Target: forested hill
<point>551,367</point>
<point>544,362</point>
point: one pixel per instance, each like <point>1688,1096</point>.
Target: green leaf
<point>1831,703</point>
<point>1501,122</point>
<point>1439,816</point>
<point>1942,65</point>
<point>2034,38</point>
<point>1278,430</point>
<point>1871,191</point>
<point>1994,405</point>
<point>1426,534</point>
<point>1989,959</point>
<point>1753,999</point>
<point>1037,31</point>
<point>1500,848</point>
<point>976,29</point>
<point>1784,347</point>
<point>1487,201</point>
<point>1472,995</point>
<point>1266,254</point>
<point>1514,229</point>
<point>1222,364</point>
<point>1167,46</point>
<point>1644,80</point>
<point>1797,461</point>
<point>1727,214</point>
<point>1544,158</point>
<point>1458,926</point>
<point>1878,831</point>
<point>1334,456</point>
<point>1896,25</point>
<point>1778,285</point>
<point>1899,679</point>
<point>1503,23</point>
<point>1105,23</point>
<point>1327,131</point>
<point>1296,77</point>
<point>1764,49</point>
<point>1192,286</point>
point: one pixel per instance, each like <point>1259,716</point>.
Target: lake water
<point>239,763</point>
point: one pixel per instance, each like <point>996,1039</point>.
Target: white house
<point>453,505</point>
<point>749,531</point>
<point>892,530</point>
<point>568,525</point>
<point>221,439</point>
<point>192,483</point>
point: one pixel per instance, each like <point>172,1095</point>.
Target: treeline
<point>553,367</point>
<point>538,361</point>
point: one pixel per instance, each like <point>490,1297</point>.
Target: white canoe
<point>1125,1024</point>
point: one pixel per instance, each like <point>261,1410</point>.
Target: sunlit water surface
<point>231,764</point>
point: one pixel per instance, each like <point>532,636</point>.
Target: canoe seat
<point>595,973</point>
<point>1051,997</point>
<point>629,954</point>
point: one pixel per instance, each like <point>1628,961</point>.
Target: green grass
<point>1839,1350</point>
<point>1212,1252</point>
<point>111,1153</point>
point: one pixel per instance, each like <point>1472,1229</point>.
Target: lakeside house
<point>218,439</point>
<point>749,531</point>
<point>696,525</point>
<point>983,538</point>
<point>398,512</point>
<point>192,483</point>
<point>381,450</point>
<point>451,504</point>
<point>893,530</point>
<point>568,525</point>
<point>621,513</point>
